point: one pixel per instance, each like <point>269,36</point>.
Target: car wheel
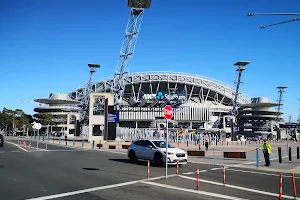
<point>158,160</point>
<point>132,157</point>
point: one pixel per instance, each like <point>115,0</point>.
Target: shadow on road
<point>139,162</point>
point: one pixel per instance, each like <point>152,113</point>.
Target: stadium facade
<point>198,101</point>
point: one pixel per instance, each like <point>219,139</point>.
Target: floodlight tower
<point>84,102</point>
<point>278,14</point>
<point>128,46</point>
<point>281,90</point>
<point>241,67</point>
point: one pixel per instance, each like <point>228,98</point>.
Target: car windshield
<point>161,144</point>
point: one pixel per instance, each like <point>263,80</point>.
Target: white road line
<point>96,189</point>
<point>254,172</point>
<point>193,191</point>
<point>239,188</point>
<point>1,151</point>
<point>213,169</point>
<point>15,151</point>
<point>16,145</point>
<point>187,173</point>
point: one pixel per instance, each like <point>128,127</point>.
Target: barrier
<point>197,177</point>
<point>99,145</point>
<point>235,155</point>
<point>224,178</point>
<point>257,158</point>
<point>294,185</point>
<point>195,153</point>
<point>111,146</point>
<point>298,153</point>
<point>290,154</point>
<point>148,170</point>
<point>279,155</point>
<point>280,186</point>
<point>125,146</point>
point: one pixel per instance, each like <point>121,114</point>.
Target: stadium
<point>198,101</point>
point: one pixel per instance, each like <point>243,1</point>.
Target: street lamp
<point>277,14</point>
<point>139,3</point>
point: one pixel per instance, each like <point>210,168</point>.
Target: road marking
<point>96,188</point>
<point>15,151</point>
<point>16,145</point>
<point>187,173</point>
<point>1,151</point>
<point>238,187</point>
<point>193,191</point>
<point>213,169</point>
<point>254,172</point>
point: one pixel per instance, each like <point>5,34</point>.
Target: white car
<point>155,151</point>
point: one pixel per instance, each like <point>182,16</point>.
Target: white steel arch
<point>220,88</point>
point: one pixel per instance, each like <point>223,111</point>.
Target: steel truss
<point>126,53</point>
<point>199,87</point>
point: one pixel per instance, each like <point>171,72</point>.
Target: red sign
<point>168,112</point>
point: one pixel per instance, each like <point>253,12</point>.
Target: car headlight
<point>169,153</point>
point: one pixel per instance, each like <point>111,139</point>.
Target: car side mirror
<point>149,147</point>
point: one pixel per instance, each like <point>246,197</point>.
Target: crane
<point>277,14</point>
<point>128,47</point>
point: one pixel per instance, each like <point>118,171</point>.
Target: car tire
<point>158,160</point>
<point>132,156</point>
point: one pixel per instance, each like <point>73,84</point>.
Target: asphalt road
<point>62,173</point>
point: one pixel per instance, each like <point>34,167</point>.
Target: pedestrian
<point>206,144</point>
<point>266,147</point>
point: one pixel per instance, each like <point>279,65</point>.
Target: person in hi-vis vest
<point>266,147</point>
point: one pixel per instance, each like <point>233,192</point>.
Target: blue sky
<point>45,45</point>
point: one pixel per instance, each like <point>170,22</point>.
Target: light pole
<point>241,67</point>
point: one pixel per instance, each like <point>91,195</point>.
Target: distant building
<point>65,112</point>
<point>258,119</point>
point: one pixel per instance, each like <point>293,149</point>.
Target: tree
<point>13,120</point>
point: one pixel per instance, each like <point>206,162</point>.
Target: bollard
<point>187,143</point>
<point>298,153</point>
<point>257,158</point>
<point>177,168</point>
<point>59,140</point>
<point>197,177</point>
<point>93,144</point>
<point>224,178</point>
<point>294,185</point>
<point>279,155</point>
<point>82,145</point>
<point>43,138</point>
<point>280,186</point>
<point>148,170</point>
<point>290,154</point>
<point>46,146</point>
<point>73,142</point>
<point>48,138</point>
